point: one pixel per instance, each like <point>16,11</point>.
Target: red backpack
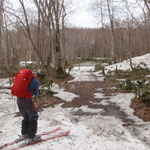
<point>21,83</point>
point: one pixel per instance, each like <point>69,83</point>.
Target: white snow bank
<point>5,82</point>
<point>83,75</point>
<point>125,65</point>
<point>24,63</point>
<point>66,96</point>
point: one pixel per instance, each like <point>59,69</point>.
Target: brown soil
<point>46,101</point>
<point>141,109</point>
<point>86,91</point>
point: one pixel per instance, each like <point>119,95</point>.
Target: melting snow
<point>88,132</point>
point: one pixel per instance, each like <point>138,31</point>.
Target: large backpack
<point>21,82</point>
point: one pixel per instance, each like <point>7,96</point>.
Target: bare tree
<point>51,13</point>
<point>1,25</point>
<point>48,38</point>
<point>111,18</point>
<point>28,31</point>
<point>99,7</point>
<point>147,3</point>
<point>64,36</point>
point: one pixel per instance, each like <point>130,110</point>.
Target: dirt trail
<point>86,91</point>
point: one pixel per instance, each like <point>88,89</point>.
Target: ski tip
<point>58,128</point>
<point>68,132</point>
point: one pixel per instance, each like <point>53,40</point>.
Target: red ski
<point>43,140</point>
<point>19,140</point>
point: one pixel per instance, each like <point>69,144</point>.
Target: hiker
<point>28,110</point>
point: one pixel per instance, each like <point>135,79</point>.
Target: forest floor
<point>86,90</point>
<point>98,115</point>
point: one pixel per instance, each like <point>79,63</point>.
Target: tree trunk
<point>1,27</point>
<point>114,41</point>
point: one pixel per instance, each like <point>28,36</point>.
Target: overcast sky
<point>83,17</point>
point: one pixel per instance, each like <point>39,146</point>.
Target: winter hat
<point>40,74</point>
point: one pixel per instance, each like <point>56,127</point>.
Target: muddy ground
<point>85,90</point>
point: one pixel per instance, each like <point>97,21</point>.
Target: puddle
<point>113,110</point>
<point>80,112</point>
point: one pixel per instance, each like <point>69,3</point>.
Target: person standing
<point>28,109</point>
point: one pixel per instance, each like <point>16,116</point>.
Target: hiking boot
<point>23,136</point>
<point>31,140</point>
<point>28,140</point>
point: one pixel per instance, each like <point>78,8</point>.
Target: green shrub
<point>98,67</point>
<point>127,85</point>
<point>142,90</point>
<point>46,88</point>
